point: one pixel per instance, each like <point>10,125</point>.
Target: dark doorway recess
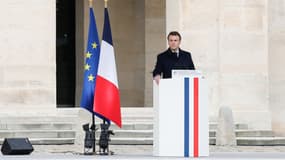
<point>65,53</point>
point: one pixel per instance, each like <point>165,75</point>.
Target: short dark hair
<point>174,33</point>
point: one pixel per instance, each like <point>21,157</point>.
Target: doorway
<point>65,53</point>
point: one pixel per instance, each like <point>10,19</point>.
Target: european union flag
<point>91,65</point>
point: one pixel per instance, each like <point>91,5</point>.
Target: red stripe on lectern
<point>196,117</point>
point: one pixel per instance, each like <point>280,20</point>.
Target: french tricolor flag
<point>106,98</point>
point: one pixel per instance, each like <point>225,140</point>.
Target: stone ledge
<point>49,141</point>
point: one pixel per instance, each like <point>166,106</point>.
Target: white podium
<point>181,117</point>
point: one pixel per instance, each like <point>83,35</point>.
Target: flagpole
<point>93,126</point>
<point>106,3</point>
<point>104,120</point>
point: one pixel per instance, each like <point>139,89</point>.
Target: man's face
<point>173,42</point>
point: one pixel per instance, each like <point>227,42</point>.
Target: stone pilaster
<point>276,48</point>
<point>155,41</point>
<point>27,56</point>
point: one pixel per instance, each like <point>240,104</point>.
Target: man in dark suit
<point>172,58</point>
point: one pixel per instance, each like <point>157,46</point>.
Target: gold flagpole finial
<point>106,3</point>
<point>90,3</point>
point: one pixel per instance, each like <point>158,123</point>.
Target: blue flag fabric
<point>91,65</point>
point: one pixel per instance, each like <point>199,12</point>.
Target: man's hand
<point>157,79</point>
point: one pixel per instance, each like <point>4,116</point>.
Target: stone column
<point>80,19</point>
<point>155,41</point>
<point>27,56</point>
<point>276,49</point>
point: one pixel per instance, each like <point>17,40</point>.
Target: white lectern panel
<point>181,117</point>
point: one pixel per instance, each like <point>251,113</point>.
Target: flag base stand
<point>104,139</point>
<point>90,138</point>
<point>89,141</point>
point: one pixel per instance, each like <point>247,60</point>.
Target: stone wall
<point>276,48</point>
<point>228,41</point>
<point>27,56</point>
<point>237,44</point>
<point>244,61</point>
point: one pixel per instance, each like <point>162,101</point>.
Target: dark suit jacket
<point>167,61</point>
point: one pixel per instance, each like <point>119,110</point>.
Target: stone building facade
<point>237,44</point>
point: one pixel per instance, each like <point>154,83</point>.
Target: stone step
<point>37,133</point>
<point>238,126</point>
<point>38,119</point>
<point>256,141</point>
<point>130,117</point>
<point>37,126</point>
<point>254,133</point>
<point>69,125</point>
<point>247,133</point>
<point>260,141</point>
<point>139,141</point>
<point>130,134</point>
<point>149,126</point>
<point>149,133</point>
<point>48,141</point>
<point>132,141</point>
<point>46,130</point>
<point>131,126</point>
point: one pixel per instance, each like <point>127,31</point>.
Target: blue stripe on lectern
<point>186,117</point>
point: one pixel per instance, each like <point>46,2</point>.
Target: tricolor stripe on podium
<point>194,145</point>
